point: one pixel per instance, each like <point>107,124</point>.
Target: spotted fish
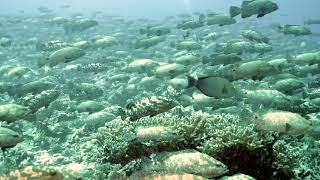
<point>149,106</point>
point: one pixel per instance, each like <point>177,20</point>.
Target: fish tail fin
<point>234,11</point>
<point>191,81</point>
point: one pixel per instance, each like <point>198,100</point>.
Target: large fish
<point>297,30</point>
<point>254,7</point>
<point>213,86</point>
<point>8,138</point>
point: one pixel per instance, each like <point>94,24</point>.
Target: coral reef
<point>244,149</point>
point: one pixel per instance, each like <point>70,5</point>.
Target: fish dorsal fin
<point>246,2</point>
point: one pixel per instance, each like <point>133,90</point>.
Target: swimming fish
<point>213,86</point>
<point>9,138</point>
<point>149,106</point>
<point>252,7</point>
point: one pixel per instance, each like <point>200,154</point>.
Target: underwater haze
<point>294,9</point>
<point>168,89</point>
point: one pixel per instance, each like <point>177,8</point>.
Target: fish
<point>254,7</point>
<point>240,46</point>
<point>254,36</point>
<point>218,59</point>
<point>156,134</point>
<point>43,99</point>
<point>309,58</point>
<point>63,55</point>
<point>172,70</point>
<point>188,45</point>
<point>220,19</point>
<point>192,24</point>
<point>282,121</point>
<point>238,176</point>
<point>148,42</point>
<point>145,175</point>
<point>189,161</point>
<point>155,31</point>
<point>12,112</point>
<point>33,172</point>
<point>297,30</point>
<point>311,21</point>
<point>79,25</point>
<point>148,106</point>
<point>213,86</point>
<point>9,138</point>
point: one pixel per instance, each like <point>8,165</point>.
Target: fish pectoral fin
<point>225,90</point>
<point>260,15</point>
<point>288,127</point>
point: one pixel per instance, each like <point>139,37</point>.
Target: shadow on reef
<point>256,163</point>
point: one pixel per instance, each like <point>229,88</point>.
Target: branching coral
<point>242,148</point>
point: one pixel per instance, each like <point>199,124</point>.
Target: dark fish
<point>149,106</point>
<point>252,7</point>
<point>213,86</point>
